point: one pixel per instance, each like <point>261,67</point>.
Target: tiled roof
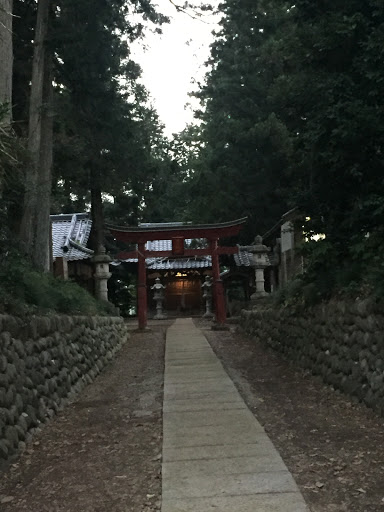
<point>159,245</point>
<point>70,233</point>
<point>164,245</point>
<point>179,264</point>
<point>244,258</point>
<point>118,262</point>
<point>169,263</point>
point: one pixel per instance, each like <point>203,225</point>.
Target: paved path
<point>216,456</point>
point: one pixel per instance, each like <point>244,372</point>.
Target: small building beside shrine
<point>71,258</point>
<point>285,239</point>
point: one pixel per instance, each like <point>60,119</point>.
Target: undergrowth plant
<point>23,291</point>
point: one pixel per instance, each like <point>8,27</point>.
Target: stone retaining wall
<point>342,342</point>
<point>44,362</point>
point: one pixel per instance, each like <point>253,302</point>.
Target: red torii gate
<point>178,233</point>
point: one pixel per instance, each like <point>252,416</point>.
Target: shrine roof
<point>166,263</point>
<point>171,264</point>
<point>164,245</point>
<point>244,259</point>
<point>70,233</point>
<point>169,230</point>
<point>159,245</point>
<point>179,264</point>
<point>287,216</point>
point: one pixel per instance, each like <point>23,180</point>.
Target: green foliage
<point>12,153</point>
<point>107,138</point>
<point>122,288</point>
<point>245,145</point>
<point>289,295</point>
<point>338,148</point>
<point>23,291</point>
<point>332,269</point>
<point>13,158</point>
<point>366,257</point>
<point>292,115</point>
<point>170,193</point>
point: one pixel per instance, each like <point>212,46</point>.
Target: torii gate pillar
<point>218,288</point>
<point>142,287</point>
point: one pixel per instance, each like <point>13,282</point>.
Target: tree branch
<point>195,14</point>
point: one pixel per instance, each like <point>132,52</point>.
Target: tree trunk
<point>6,66</point>
<point>6,56</point>
<point>29,220</point>
<point>41,247</point>
<point>97,238</point>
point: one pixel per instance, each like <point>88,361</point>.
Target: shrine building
<point>182,276</point>
<point>181,255</point>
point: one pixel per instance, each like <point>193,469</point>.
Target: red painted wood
<point>218,288</point>
<point>227,250</point>
<point>213,231</point>
<point>210,232</point>
<point>190,253</point>
<point>142,288</point>
<point>178,246</point>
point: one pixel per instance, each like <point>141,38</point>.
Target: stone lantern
<point>158,296</point>
<point>259,261</point>
<point>102,273</point>
<point>207,295</point>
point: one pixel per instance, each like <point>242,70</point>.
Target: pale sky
<point>171,60</point>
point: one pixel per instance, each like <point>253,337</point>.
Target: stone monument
<point>207,295</point>
<point>102,273</point>
<point>259,260</point>
<point>158,296</point>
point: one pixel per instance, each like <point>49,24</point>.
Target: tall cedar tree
<point>96,104</point>
<point>35,225</point>
<point>246,146</point>
<point>6,65</point>
<point>336,112</point>
<point>6,58</point>
<point>100,103</point>
<point>293,116</point>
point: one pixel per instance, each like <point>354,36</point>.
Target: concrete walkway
<point>216,456</point>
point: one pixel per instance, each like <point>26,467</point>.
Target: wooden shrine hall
<point>177,233</point>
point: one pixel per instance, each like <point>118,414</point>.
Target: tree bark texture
<point>6,56</point>
<point>41,247</point>
<point>29,225</point>
<point>97,238</point>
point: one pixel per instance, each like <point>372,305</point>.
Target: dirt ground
<point>333,446</point>
<point>103,452</point>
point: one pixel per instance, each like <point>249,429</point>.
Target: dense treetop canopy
<point>291,115</point>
